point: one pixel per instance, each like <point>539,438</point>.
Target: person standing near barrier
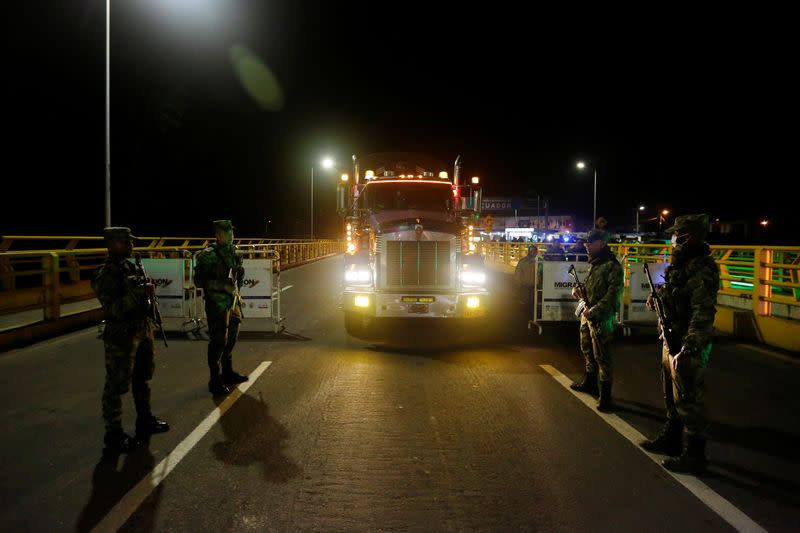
<point>219,272</point>
<point>524,277</point>
<point>128,339</point>
<point>604,284</point>
<point>690,298</point>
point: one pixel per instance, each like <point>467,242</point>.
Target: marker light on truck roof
<point>475,180</point>
<point>443,175</point>
<point>369,174</point>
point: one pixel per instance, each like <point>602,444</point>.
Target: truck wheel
<point>355,324</point>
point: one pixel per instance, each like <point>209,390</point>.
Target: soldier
<point>604,284</point>
<point>128,339</point>
<point>523,277</point>
<point>220,273</point>
<point>690,298</point>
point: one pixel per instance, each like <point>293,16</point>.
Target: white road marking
<point>286,288</point>
<point>117,517</point>
<point>725,509</point>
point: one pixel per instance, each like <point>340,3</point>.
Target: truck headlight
<point>361,276</point>
<point>473,278</point>
<point>361,301</point>
<point>473,302</point>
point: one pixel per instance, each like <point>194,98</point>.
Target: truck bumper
<point>416,304</point>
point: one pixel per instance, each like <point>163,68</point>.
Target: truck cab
<point>411,251</point>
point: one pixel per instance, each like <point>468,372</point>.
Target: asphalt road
<point>446,428</point>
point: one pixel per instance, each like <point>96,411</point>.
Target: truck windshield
<point>379,196</point>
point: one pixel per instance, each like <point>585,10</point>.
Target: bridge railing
<point>763,280</point>
<point>35,278</point>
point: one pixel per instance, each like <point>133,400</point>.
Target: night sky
<point>686,111</point>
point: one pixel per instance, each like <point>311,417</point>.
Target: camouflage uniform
<point>604,284</point>
<point>128,340</point>
<point>214,267</point>
<point>689,297</point>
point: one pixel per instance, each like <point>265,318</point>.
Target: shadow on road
<point>253,436</point>
<point>111,481</point>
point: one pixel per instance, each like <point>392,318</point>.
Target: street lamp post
<point>327,163</point>
<point>662,218</point>
<point>108,115</point>
<point>581,165</point>
<point>641,208</point>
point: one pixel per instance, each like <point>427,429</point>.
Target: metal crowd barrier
<point>32,278</point>
<point>759,285</point>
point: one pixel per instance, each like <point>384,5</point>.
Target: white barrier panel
<point>639,290</point>
<point>167,274</point>
<point>256,289</point>
<point>557,303</point>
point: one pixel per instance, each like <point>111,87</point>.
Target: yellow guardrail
<point>33,279</point>
<point>761,280</point>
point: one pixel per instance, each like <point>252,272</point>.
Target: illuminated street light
<point>327,164</point>
<point>581,165</point>
<point>662,218</point>
<point>641,208</point>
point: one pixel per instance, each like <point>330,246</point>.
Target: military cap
<point>696,224</point>
<point>224,225</point>
<point>118,233</point>
<point>598,235</point>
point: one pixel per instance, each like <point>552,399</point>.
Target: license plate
<point>418,308</point>
<point>468,313</point>
<point>418,299</point>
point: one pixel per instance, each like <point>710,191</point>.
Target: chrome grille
<point>417,263</point>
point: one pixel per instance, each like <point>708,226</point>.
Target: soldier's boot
<point>146,423</point>
<point>692,460</point>
<point>215,385</point>
<point>228,375</point>
<point>117,440</point>
<point>604,403</point>
<point>669,440</point>
<point>150,425</point>
<point>588,384</point>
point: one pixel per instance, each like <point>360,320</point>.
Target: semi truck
<point>412,254</point>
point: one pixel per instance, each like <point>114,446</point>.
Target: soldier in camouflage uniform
<point>604,284</point>
<point>220,273</point>
<point>690,298</point>
<point>128,339</point>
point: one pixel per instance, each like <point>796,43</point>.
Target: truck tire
<point>355,324</point>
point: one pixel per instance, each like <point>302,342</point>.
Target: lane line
<point>286,288</point>
<point>725,509</point>
<point>126,506</point>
